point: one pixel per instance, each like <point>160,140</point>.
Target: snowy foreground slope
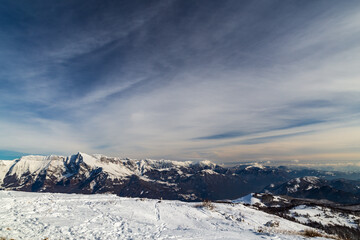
<point>26,215</point>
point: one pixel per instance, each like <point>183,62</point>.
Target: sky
<point>228,81</point>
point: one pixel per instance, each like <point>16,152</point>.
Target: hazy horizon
<point>227,81</point>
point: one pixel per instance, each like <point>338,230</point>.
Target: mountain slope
<point>338,190</point>
<point>75,216</point>
<point>333,218</point>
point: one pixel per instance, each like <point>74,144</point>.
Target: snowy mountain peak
<point>307,179</point>
<point>255,165</point>
<point>311,179</point>
<point>29,165</point>
<point>249,199</point>
<point>207,163</point>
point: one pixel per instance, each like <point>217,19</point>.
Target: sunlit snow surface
<point>323,215</point>
<point>73,216</point>
<point>249,199</point>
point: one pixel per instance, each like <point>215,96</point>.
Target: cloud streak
<point>219,80</point>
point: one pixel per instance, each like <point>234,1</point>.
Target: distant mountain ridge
<point>338,190</point>
<point>186,181</point>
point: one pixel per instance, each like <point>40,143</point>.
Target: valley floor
<point>74,216</point>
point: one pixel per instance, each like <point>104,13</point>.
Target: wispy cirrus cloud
<point>221,80</point>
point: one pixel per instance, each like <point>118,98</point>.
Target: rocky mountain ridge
<point>341,190</point>
<point>186,181</point>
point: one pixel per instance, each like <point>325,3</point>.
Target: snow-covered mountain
<point>74,216</point>
<point>337,190</point>
<point>187,181</point>
<point>341,220</point>
<point>83,173</point>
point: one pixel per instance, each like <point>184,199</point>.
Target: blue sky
<point>220,80</point>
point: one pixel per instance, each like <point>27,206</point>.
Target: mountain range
<point>175,180</point>
<point>337,190</point>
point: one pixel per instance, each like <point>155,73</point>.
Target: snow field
<point>74,216</point>
<point>323,215</point>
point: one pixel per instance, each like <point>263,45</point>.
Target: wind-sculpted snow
<point>75,216</point>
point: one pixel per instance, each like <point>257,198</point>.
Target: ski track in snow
<point>74,216</point>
